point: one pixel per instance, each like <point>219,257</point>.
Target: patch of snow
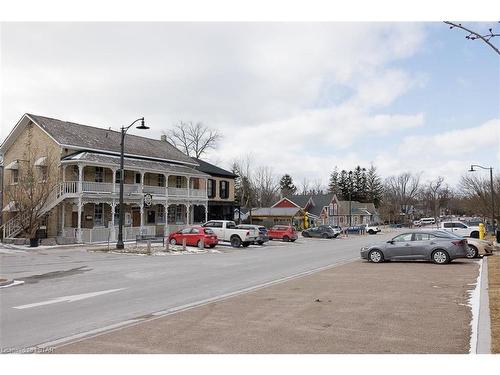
<point>474,303</point>
<point>14,283</point>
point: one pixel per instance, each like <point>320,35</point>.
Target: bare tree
<point>193,139</point>
<point>434,195</point>
<point>473,35</point>
<point>245,189</point>
<point>304,186</point>
<point>401,192</point>
<point>266,185</point>
<point>36,178</point>
<point>477,192</point>
<point>317,187</point>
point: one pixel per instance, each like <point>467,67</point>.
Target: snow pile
<point>474,303</point>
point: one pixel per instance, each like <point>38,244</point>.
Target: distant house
<point>328,209</point>
<point>220,190</point>
<point>269,216</point>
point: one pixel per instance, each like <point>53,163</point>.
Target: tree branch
<point>474,35</point>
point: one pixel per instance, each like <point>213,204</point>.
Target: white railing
<point>97,187</point>
<point>158,190</point>
<point>96,235</point>
<point>177,192</point>
<point>129,188</point>
<point>198,193</point>
<point>69,232</point>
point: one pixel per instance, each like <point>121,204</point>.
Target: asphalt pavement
<point>68,293</point>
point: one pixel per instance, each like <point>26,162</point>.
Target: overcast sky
<point>301,98</point>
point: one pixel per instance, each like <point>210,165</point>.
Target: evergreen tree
<point>333,184</point>
<point>358,180</point>
<point>344,185</point>
<point>374,187</point>
<point>286,186</point>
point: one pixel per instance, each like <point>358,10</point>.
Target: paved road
<point>67,292</point>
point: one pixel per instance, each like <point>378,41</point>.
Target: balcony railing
<point>158,190</point>
<point>177,192</point>
<point>107,187</point>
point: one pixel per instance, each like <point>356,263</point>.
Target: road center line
<point>72,298</point>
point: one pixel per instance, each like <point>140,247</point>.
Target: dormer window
<point>99,174</point>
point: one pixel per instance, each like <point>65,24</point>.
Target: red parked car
<point>282,232</point>
<point>193,236</point>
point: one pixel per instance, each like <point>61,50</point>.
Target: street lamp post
<point>492,193</point>
<point>119,243</point>
<point>350,190</point>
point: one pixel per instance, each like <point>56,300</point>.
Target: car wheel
<point>212,246</point>
<point>376,256</point>
<point>260,243</point>
<point>235,241</point>
<point>474,234</point>
<point>286,238</point>
<point>440,257</point>
<point>173,241</point>
<point>305,234</point>
<point>324,235</point>
<point>472,252</point>
<point>199,243</point>
<point>371,232</point>
<point>270,238</point>
<point>292,240</point>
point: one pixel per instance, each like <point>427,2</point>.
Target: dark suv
<point>323,231</point>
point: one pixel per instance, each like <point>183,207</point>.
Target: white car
<point>372,229</point>
<point>226,231</point>
<point>460,229</point>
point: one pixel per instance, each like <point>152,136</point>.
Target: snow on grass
<point>474,303</point>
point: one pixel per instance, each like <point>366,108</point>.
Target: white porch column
<point>206,211</point>
<point>206,187</point>
<point>188,186</point>
<point>79,227</point>
<point>80,178</point>
<point>112,234</point>
<point>64,173</point>
<point>188,206</point>
<point>142,185</point>
<point>63,206</point>
<point>165,229</point>
<point>114,182</point>
<point>166,184</point>
<point>142,215</point>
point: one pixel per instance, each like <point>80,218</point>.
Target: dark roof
<point>161,167</point>
<point>320,201</point>
<point>93,138</point>
<point>276,211</point>
<point>212,169</point>
<point>299,200</point>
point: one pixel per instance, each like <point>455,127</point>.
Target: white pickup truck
<point>226,231</point>
<point>460,229</point>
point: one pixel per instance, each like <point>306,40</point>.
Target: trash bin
<point>498,236</point>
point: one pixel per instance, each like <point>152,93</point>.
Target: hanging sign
<point>148,200</point>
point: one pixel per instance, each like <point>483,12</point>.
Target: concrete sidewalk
<point>360,307</point>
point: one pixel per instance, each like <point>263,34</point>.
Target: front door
<point>136,218</point>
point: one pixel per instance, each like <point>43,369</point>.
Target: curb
<point>484,324</point>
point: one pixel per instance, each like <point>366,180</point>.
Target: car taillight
<point>461,242</point>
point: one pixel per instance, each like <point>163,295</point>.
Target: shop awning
<point>41,162</point>
<point>13,165</point>
<point>11,207</point>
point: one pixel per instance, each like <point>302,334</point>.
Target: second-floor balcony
<point>92,187</point>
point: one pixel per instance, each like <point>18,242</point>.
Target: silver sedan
<point>438,246</point>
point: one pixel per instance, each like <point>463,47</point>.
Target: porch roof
<point>277,211</point>
<point>132,163</point>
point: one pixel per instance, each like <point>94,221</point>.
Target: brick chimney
<point>163,138</point>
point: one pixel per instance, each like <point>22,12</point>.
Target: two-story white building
<point>162,188</point>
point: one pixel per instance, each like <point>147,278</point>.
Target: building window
<point>161,213</point>
<point>211,188</point>
<point>330,210</point>
<point>151,217</point>
<point>98,214</point>
<point>43,173</point>
<point>223,189</point>
<point>161,180</point>
<point>178,182</point>
<point>118,176</point>
<point>99,174</point>
<point>137,178</point>
<point>196,183</point>
<point>15,176</point>
<point>117,215</point>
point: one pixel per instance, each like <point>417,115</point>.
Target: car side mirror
<point>391,242</point>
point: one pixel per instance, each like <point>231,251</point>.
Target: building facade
<point>162,187</point>
<point>220,191</point>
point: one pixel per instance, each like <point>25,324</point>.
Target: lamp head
<point>471,169</point>
<point>142,126</point>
